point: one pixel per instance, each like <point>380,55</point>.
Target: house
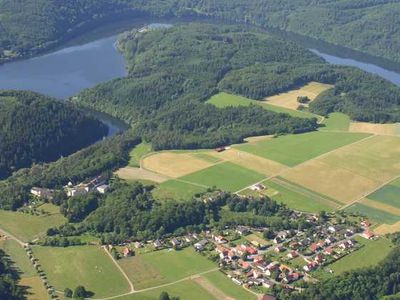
<point>282,235</point>
<point>242,230</point>
<point>368,234</point>
<point>257,187</point>
<point>345,245</point>
<point>365,223</point>
<point>251,250</point>
<point>279,249</point>
<point>42,193</point>
<point>318,258</point>
<point>76,191</point>
<point>293,254</point>
<point>102,189</point>
<point>291,277</point>
<point>187,239</point>
<point>220,239</point>
<point>334,228</point>
<point>138,245</point>
<point>269,285</point>
<point>263,266</point>
<point>273,266</point>
<point>330,240</point>
<point>175,242</point>
<point>157,244</point>
<point>127,252</point>
<point>314,247</point>
<point>221,249</point>
<point>244,265</point>
<point>294,245</point>
<point>220,149</point>
<point>321,243</point>
<point>310,267</point>
<point>258,259</point>
<point>199,246</point>
<point>328,251</point>
<point>257,274</point>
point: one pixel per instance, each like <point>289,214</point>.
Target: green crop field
<point>89,266</point>
<point>292,150</point>
<point>173,189</point>
<point>19,257</point>
<point>337,121</point>
<point>378,216</point>
<point>137,153</point>
<point>27,227</point>
<point>389,194</point>
<point>298,201</point>
<point>227,176</point>
<point>223,99</point>
<point>165,266</point>
<point>187,289</point>
<point>369,255</point>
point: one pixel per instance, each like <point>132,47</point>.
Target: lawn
<point>137,153</point>
<point>377,215</point>
<point>173,189</point>
<point>160,267</point>
<point>18,255</point>
<point>292,150</point>
<point>369,255</point>
<point>306,201</point>
<point>223,99</point>
<point>226,176</point>
<point>389,194</point>
<point>89,266</point>
<point>27,227</point>
<point>337,121</point>
<point>185,290</point>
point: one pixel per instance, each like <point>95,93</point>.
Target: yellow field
<point>174,165</point>
<point>255,139</point>
<point>289,99</point>
<point>351,172</point>
<point>381,206</point>
<point>387,229</point>
<point>36,289</point>
<point>382,129</point>
<point>259,164</point>
<point>130,173</point>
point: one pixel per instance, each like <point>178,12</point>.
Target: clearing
<point>89,266</point>
<point>289,100</point>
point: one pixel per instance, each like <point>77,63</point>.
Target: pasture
<point>292,150</point>
<point>89,266</point>
<point>26,227</point>
<point>374,214</point>
<point>226,176</point>
<point>289,100</point>
<point>336,121</point>
<point>223,100</point>
<point>165,266</point>
<point>372,252</point>
<point>18,255</point>
<point>174,164</point>
<point>178,190</point>
<point>381,129</point>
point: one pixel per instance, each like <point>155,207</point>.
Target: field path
<point>132,288</point>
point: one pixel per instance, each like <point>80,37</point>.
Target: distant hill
<point>35,128</point>
<point>370,26</point>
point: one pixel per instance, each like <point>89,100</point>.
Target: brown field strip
<point>212,289</point>
<point>381,206</point>
<point>174,164</point>
<point>130,173</point>
<point>387,229</point>
<point>382,129</point>
<point>352,172</point>
<point>289,99</point>
<point>250,161</point>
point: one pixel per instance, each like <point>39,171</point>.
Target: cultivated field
<point>289,99</point>
<point>374,214</point>
<point>27,227</point>
<point>389,194</point>
<point>381,129</point>
<point>387,228</point>
<point>178,190</point>
<point>89,266</point>
<point>133,174</point>
<point>173,164</point>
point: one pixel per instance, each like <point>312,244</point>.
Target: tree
<point>80,292</point>
<point>164,296</point>
<point>68,293</point>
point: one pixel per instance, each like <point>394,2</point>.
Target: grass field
<point>177,190</point>
<point>19,257</point>
<point>89,266</point>
<point>164,266</point>
<point>27,227</point>
<point>301,200</point>
<point>35,288</point>
<point>291,150</point>
<point>378,216</point>
<point>137,153</point>
<point>382,129</point>
<point>370,255</point>
<point>289,100</point>
<point>389,194</point>
<point>222,100</point>
<point>174,164</point>
<point>227,176</point>
<point>381,206</point>
<point>337,121</point>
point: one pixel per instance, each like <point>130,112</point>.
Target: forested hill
<point>35,128</point>
<point>372,26</point>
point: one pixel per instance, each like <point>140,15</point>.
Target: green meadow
<point>177,190</point>
<point>18,255</point>
<point>377,215</point>
<point>89,266</point>
<point>226,176</point>
<point>292,150</point>
<point>389,194</point>
<point>137,153</point>
<point>336,121</point>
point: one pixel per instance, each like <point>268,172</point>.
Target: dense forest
<point>9,279</point>
<point>35,128</point>
<point>370,26</point>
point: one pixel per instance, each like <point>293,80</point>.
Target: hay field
<point>387,229</point>
<point>382,129</point>
<point>35,288</point>
<point>289,99</point>
<point>131,174</point>
<point>352,172</point>
<point>173,164</point>
<point>259,164</point>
